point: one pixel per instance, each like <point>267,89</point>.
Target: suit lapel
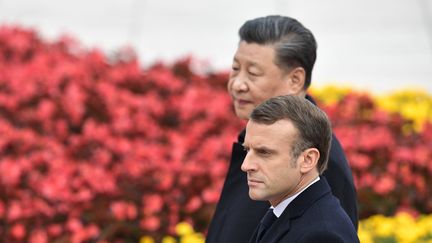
<point>308,197</point>
<point>254,236</point>
<point>294,210</point>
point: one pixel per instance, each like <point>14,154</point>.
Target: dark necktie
<point>265,224</point>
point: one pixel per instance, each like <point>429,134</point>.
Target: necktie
<point>265,224</point>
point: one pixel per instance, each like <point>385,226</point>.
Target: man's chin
<point>255,196</point>
<point>242,114</point>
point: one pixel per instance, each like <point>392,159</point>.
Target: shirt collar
<point>278,210</point>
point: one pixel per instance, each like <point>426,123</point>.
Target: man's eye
<point>263,152</point>
<point>253,74</point>
<point>235,68</point>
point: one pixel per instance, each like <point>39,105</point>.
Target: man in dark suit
<point>288,143</point>
<point>275,56</point>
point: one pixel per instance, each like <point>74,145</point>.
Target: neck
<point>302,93</point>
<point>305,181</point>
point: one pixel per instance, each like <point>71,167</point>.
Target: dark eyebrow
<point>261,148</point>
<point>251,63</point>
<point>265,148</point>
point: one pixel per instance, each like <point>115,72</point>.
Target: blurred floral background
<point>96,148</point>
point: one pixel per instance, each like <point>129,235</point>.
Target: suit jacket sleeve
<point>339,177</point>
<point>322,236</point>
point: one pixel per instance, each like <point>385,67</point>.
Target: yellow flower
<point>147,239</point>
<point>193,238</point>
<point>415,105</point>
<point>329,94</point>
<point>364,235</point>
<point>183,228</point>
<point>401,228</point>
<point>384,226</point>
<point>169,239</point>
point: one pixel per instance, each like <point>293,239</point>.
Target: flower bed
<point>95,148</point>
<point>401,228</point>
<point>389,152</point>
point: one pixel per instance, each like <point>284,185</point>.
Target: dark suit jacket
<point>313,216</point>
<point>236,215</point>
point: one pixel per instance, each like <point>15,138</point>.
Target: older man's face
<point>255,78</point>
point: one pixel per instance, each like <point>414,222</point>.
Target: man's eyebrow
<point>266,149</point>
<point>260,147</point>
<point>251,63</point>
<point>254,63</point>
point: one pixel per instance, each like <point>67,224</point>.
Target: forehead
<point>254,53</point>
<point>278,134</point>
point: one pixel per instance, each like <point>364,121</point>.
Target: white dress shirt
<point>278,210</point>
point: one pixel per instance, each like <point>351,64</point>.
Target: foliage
<point>391,160</point>
<point>95,148</point>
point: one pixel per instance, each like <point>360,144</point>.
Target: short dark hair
<point>313,125</point>
<point>294,44</point>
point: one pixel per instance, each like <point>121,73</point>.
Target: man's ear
<point>309,161</point>
<point>295,80</point>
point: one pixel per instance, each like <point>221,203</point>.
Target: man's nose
<point>239,84</point>
<point>247,165</point>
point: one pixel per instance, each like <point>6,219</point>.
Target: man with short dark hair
<point>287,142</point>
<point>275,56</point>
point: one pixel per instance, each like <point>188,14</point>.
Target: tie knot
<point>268,218</point>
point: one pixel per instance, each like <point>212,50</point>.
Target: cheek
<point>279,174</point>
<point>258,94</point>
<point>262,91</point>
<point>229,85</point>
<point>272,173</point>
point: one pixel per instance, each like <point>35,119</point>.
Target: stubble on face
<point>271,170</point>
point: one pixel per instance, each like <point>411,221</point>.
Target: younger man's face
<point>272,173</point>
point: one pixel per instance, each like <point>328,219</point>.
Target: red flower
<point>152,203</point>
<point>74,225</point>
<point>384,185</point>
<point>211,196</point>
<point>15,211</point>
<point>119,210</point>
<point>10,172</point>
<point>38,236</point>
<point>55,230</point>
<point>151,223</point>
<point>18,231</point>
<point>193,204</point>
<point>2,209</point>
<point>359,161</point>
